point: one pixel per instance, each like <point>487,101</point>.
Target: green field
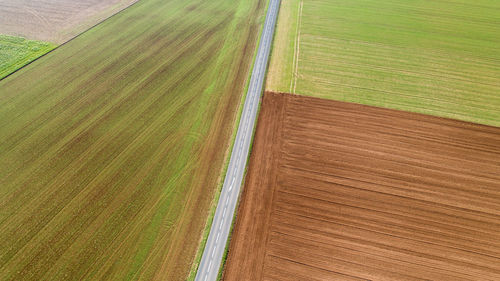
<point>112,145</point>
<point>435,57</point>
<point>15,52</point>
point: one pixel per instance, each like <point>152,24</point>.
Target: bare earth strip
<point>54,20</point>
<point>341,191</point>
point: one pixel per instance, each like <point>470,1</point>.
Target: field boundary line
<point>297,53</point>
<point>71,39</point>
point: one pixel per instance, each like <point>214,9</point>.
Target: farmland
<point>342,191</point>
<point>55,21</point>
<point>434,57</point>
<point>112,145</point>
<point>16,52</point>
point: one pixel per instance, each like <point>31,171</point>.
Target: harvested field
<point>112,145</point>
<point>54,20</point>
<point>341,191</point>
<point>436,57</point>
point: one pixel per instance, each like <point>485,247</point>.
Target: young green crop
<point>111,146</point>
<point>434,57</point>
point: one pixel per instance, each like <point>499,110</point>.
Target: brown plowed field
<point>340,191</point>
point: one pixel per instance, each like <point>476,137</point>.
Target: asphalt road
<point>219,232</point>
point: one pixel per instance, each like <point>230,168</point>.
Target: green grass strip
<point>16,52</point>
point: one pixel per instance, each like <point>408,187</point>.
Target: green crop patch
<point>112,145</point>
<point>15,52</point>
<point>435,57</point>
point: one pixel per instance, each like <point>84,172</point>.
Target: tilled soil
<point>341,191</point>
<point>55,21</point>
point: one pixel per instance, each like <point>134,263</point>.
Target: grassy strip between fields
<point>16,52</point>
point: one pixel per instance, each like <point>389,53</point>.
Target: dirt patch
<point>341,191</point>
<point>55,20</point>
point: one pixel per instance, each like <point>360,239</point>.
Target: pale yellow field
<point>434,57</point>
